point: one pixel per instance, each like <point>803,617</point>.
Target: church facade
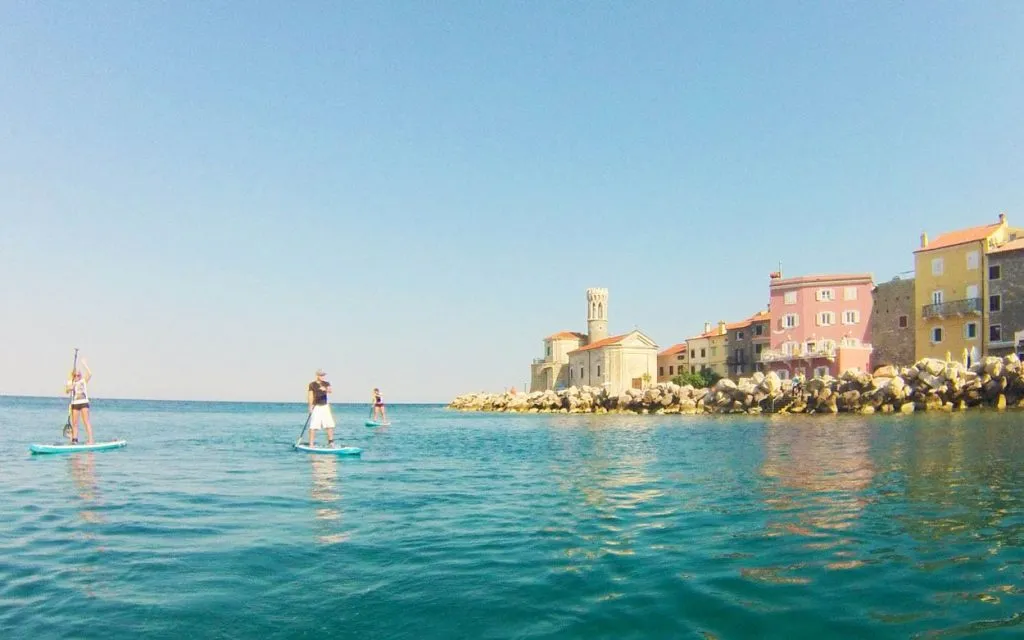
<point>616,363</point>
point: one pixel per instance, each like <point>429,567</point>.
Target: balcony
<point>801,352</point>
<point>963,307</point>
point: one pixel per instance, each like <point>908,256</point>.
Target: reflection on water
<point>325,490</point>
<point>816,476</point>
<point>82,469</point>
<point>604,480</point>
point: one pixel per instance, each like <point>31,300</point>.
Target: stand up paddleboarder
<point>319,411</point>
<point>378,407</point>
<point>77,386</point>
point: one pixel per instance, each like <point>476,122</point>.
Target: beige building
<point>700,348</point>
<point>616,363</point>
<point>672,362</point>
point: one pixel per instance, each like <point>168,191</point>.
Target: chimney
<point>924,240</point>
<point>721,327</point>
<point>1002,217</point>
<point>707,327</point>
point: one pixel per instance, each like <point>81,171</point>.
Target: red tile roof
<point>674,349</point>
<point>962,236</point>
<point>1012,245</point>
<point>835,277</point>
<point>567,335</point>
<point>602,343</point>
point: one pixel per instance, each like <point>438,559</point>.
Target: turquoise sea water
<point>208,525</point>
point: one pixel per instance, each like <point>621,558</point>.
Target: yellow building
<point>951,290</point>
<point>709,350</point>
<point>672,362</point>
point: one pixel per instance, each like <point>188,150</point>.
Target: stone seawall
<point>929,385</point>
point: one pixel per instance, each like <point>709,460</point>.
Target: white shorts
<point>321,417</point>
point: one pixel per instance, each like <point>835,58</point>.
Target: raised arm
<point>88,372</point>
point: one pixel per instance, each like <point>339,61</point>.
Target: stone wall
<point>928,385</point>
<point>1010,286</point>
<point>892,343</point>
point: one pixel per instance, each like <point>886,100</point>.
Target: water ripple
<point>456,525</point>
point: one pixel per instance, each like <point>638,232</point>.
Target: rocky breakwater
<point>929,385</point>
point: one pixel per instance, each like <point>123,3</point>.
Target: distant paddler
<point>378,407</point>
<point>319,410</point>
<point>78,387</point>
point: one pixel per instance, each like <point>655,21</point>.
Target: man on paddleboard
<point>319,411</point>
<point>79,401</point>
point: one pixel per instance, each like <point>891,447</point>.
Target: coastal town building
<point>892,323</point>
<point>595,359</point>
<point>1006,298</point>
<point>672,362</point>
<point>951,297</point>
<point>819,324</point>
<point>699,347</point>
<point>746,340</point>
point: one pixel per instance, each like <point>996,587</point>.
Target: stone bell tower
<point>597,315</point>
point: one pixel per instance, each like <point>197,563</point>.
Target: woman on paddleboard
<point>78,387</point>
<point>378,406</point>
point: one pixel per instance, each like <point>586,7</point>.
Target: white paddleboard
<point>338,451</point>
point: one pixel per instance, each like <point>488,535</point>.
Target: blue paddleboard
<point>372,423</point>
<point>338,451</point>
<point>75,448</point>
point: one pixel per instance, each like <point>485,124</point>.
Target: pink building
<point>819,324</point>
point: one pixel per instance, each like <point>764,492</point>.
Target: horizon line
<point>61,397</point>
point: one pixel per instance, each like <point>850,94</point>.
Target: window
<point>661,371</point>
<point>693,369</point>
<point>936,334</point>
<point>852,317</point>
<point>548,350</point>
<point>845,342</point>
<point>972,291</point>
<point>995,303</point>
<point>680,357</point>
<point>972,260</point>
<point>790,320</point>
<point>850,293</point>
<point>570,373</point>
<point>703,353</point>
<point>995,272</point>
<point>826,319</point>
<point>757,348</point>
<point>739,335</point>
<point>714,352</point>
<point>903,322</point>
<point>820,372</point>
<point>599,371</point>
<point>826,295</point>
<point>936,297</point>
<point>758,330</point>
<point>581,373</point>
<point>936,266</point>
<point>995,333</point>
<point>670,371</point>
<point>790,297</point>
<point>789,348</point>
<point>811,347</point>
<point>971,330</point>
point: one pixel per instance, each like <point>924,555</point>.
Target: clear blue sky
<point>213,199</point>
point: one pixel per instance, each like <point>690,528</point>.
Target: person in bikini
<point>78,384</point>
<point>319,410</point>
<point>378,406</point>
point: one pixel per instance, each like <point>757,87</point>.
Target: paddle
<point>71,395</point>
<point>308,418</point>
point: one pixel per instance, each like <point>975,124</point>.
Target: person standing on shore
<point>319,410</point>
<point>78,387</point>
<point>378,406</point>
